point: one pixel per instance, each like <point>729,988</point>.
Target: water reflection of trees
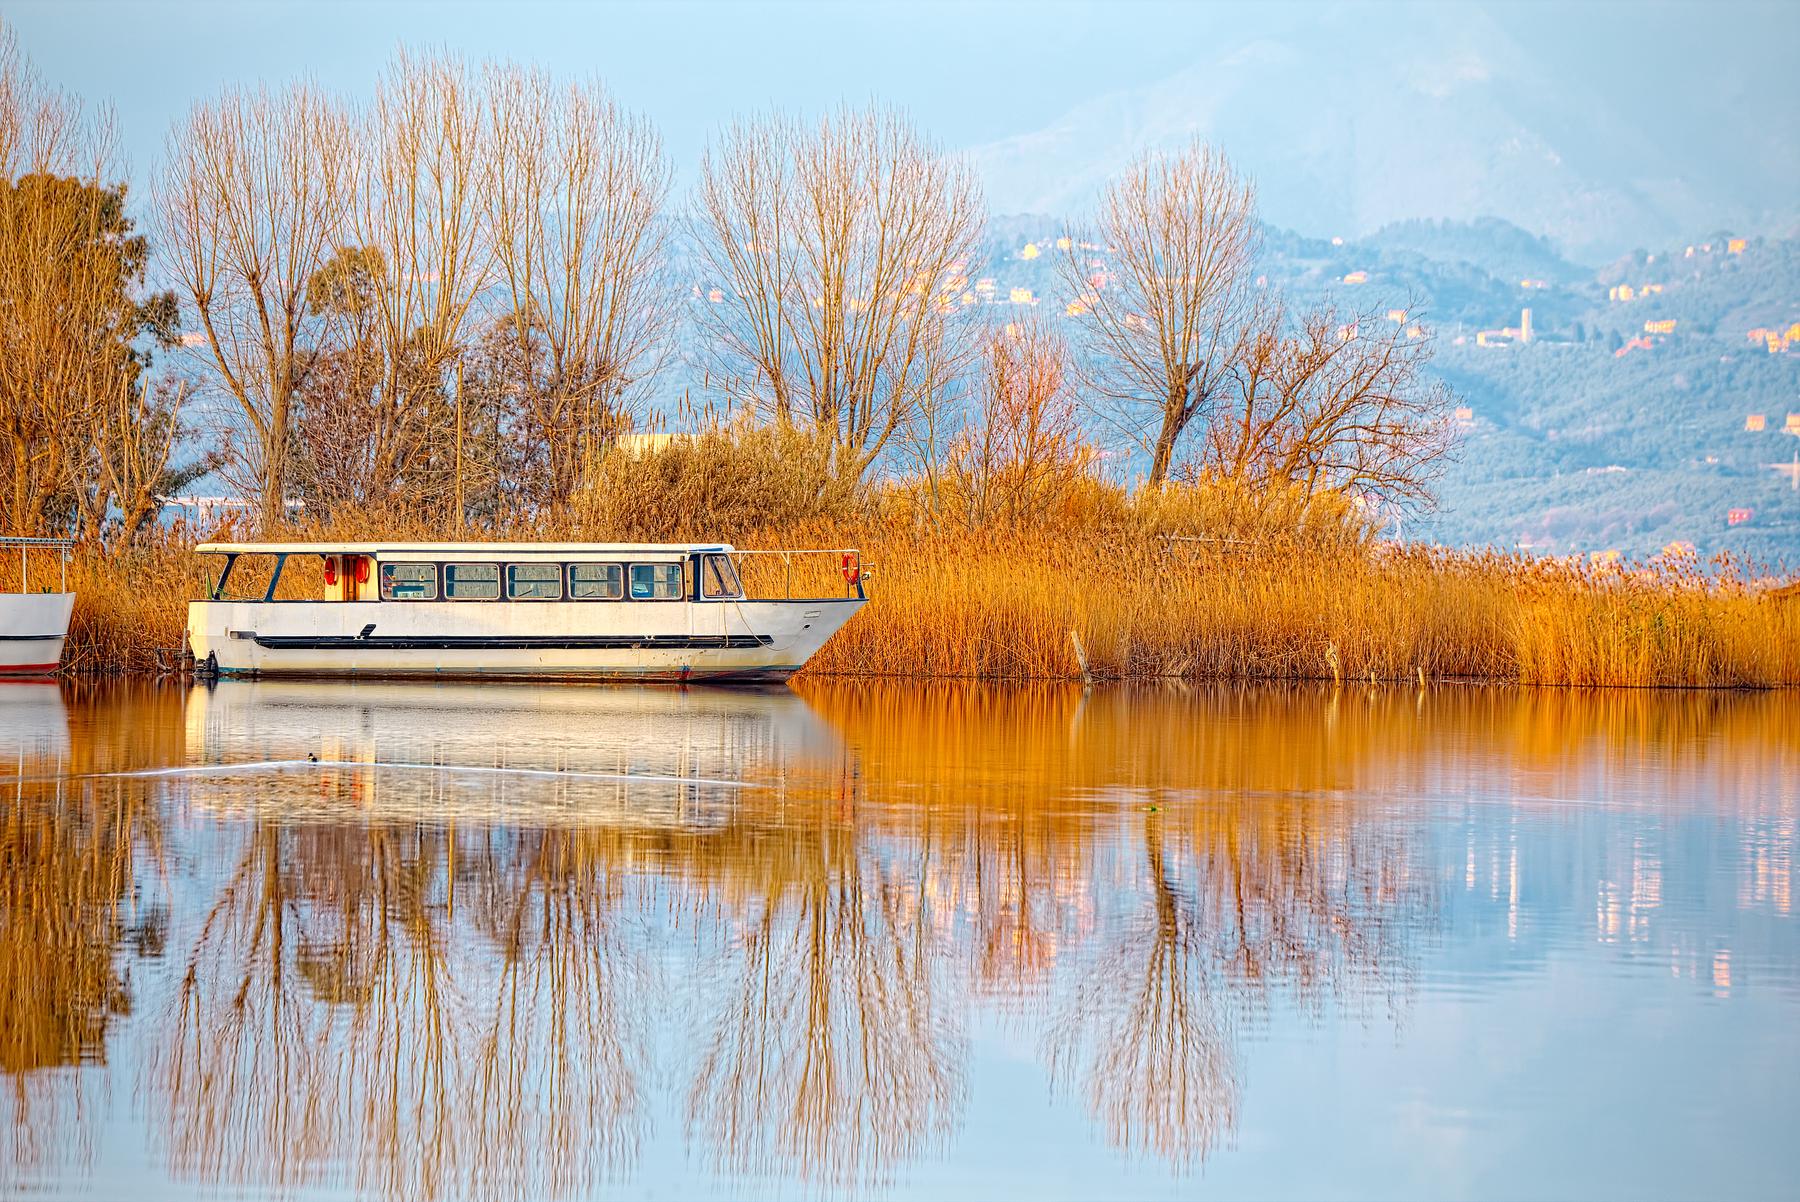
<point>825,1049</point>
<point>429,1010</point>
<point>1256,878</point>
<point>76,912</point>
<point>473,1005</point>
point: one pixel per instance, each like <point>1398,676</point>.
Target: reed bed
<point>1016,604</point>
<point>1019,606</point>
<point>1196,581</point>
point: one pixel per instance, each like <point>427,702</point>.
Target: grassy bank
<point>1005,608</point>
<point>1003,604</point>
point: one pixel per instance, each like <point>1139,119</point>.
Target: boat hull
<point>669,642</point>
<point>32,629</point>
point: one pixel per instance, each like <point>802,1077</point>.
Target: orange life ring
<point>851,571</point>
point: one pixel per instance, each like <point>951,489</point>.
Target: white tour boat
<point>33,625</point>
<point>623,611</point>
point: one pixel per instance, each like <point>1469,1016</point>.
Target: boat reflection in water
<point>34,726</point>
<point>514,753</point>
<point>530,940</point>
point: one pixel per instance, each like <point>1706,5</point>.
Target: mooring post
<point>1081,657</point>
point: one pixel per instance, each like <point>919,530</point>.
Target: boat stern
<point>33,627</point>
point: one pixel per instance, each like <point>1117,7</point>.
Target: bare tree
<point>252,195</point>
<point>415,211</point>
<point>575,192</point>
<point>1164,324</point>
<point>43,130</point>
<point>1338,402</point>
<point>139,433</point>
<point>1024,451</point>
<point>833,246</point>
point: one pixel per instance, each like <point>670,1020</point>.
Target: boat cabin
<point>505,571</point>
<point>640,610</point>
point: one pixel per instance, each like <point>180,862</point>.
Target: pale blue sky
<point>971,72</point>
<point>1602,125</point>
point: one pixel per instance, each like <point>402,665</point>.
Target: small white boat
<point>535,611</point>
<point>33,625</point>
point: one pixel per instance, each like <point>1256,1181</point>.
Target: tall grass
<point>1014,605</point>
<point>1197,581</point>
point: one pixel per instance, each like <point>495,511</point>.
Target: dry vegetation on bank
<point>1195,581</point>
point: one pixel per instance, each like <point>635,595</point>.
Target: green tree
<point>72,320</point>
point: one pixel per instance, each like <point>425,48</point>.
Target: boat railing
<point>770,575</point>
<point>27,545</point>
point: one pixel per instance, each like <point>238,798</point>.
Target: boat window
<point>409,582</point>
<point>718,579</point>
<point>534,581</point>
<point>472,581</point>
<point>656,582</point>
<point>596,581</point>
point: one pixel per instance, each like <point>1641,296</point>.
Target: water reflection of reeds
<point>75,918</point>
<point>441,986</point>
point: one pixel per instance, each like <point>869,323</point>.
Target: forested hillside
<point>1609,429</point>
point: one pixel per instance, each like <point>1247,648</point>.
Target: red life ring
<point>362,569</point>
<point>331,569</point>
<point>851,571</point>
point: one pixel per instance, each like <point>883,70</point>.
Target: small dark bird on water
<point>311,758</point>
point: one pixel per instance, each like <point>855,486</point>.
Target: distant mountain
<point>1350,123</point>
<point>1626,424</point>
<point>1498,247</point>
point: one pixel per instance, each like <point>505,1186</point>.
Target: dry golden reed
<point>1199,581</point>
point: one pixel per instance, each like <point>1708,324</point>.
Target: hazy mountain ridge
<point>1349,125</point>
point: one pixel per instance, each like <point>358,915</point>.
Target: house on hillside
<point>1521,333</point>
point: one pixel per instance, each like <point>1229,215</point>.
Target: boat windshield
<point>718,579</point>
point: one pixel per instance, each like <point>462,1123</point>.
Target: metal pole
<point>459,448</point>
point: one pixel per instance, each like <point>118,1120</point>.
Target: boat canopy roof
<point>442,550</point>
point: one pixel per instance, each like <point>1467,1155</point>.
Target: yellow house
<point>1666,326</point>
<point>1022,296</point>
<point>636,446</point>
<point>1030,251</point>
<point>1793,424</point>
<point>1357,277</point>
<point>1755,421</point>
<point>1735,246</point>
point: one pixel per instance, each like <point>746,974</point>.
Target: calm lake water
<point>309,940</point>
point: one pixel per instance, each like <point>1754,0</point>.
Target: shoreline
<point>1010,606</point>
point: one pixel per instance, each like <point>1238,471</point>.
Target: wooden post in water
<point>1081,657</point>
